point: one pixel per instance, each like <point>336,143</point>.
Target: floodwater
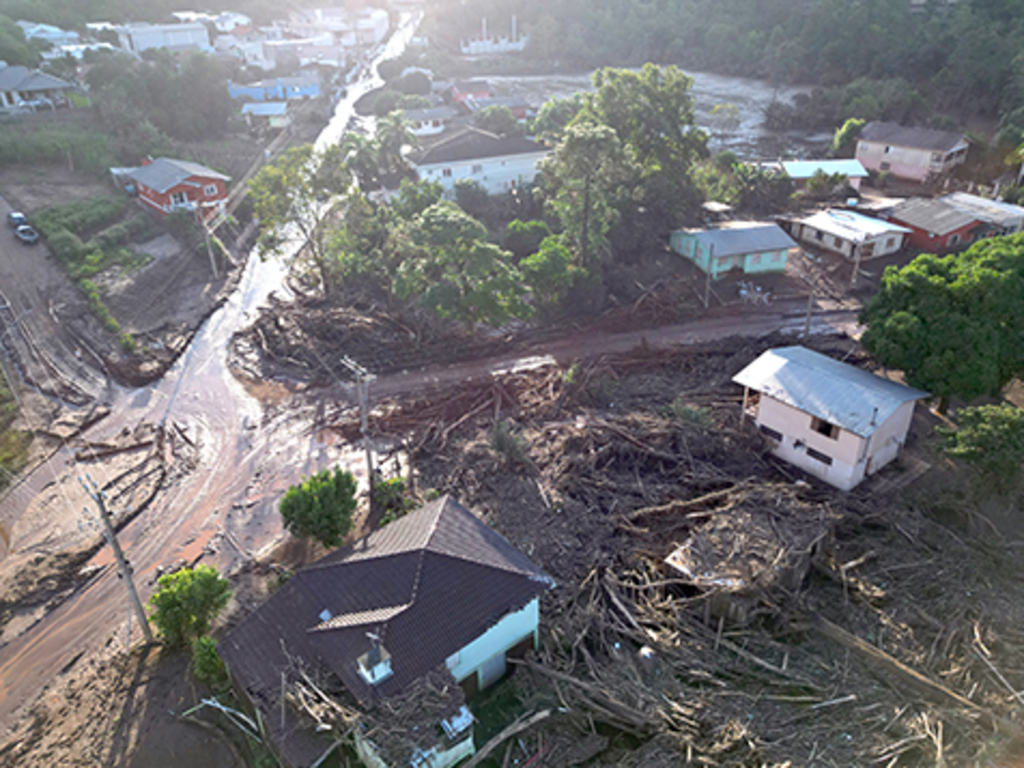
<point>750,140</point>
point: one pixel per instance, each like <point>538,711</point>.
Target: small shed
<point>267,114</point>
<point>835,421</point>
<point>751,246</point>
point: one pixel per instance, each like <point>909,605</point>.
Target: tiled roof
<point>427,585</point>
<point>915,138</point>
<point>164,173</point>
<point>737,238</point>
<point>935,216</point>
<point>841,394</point>
<point>474,144</point>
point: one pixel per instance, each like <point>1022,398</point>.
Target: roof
<point>739,237</point>
<point>915,138</point>
<point>841,394</point>
<point>805,169</point>
<point>474,144</point>
<point>512,102</point>
<point>991,211</point>
<point>848,225</point>
<point>165,173</point>
<point>427,585</point>
<point>265,108</point>
<point>934,216</point>
<point>434,113</point>
<point>472,86</point>
<point>20,78</point>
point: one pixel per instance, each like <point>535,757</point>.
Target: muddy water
<point>750,140</point>
<point>225,506</point>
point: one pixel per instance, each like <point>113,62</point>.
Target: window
<point>210,190</point>
<point>819,456</point>
<point>179,198</point>
<point>936,157</point>
<point>890,242</point>
<point>837,241</point>
<point>756,259</point>
<point>776,255</point>
<point>770,433</point>
<point>888,150</point>
<point>819,235</point>
<point>953,240</point>
<point>825,428</point>
<point>478,169</point>
<point>447,173</point>
<point>885,166</point>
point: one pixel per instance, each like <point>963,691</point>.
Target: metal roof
<point>914,138</point>
<point>739,237</point>
<point>992,211</point>
<point>20,78</point>
<point>841,394</point>
<point>849,225</point>
<point>433,113</point>
<point>164,173</point>
<point>474,144</point>
<point>265,108</point>
<point>934,216</point>
<point>805,169</point>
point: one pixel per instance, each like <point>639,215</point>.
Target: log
<point>518,726</point>
<point>684,505</point>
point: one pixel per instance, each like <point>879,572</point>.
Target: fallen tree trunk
<point>518,726</point>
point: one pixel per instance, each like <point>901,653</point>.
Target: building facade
<point>497,163</point>
<point>751,247</point>
<point>167,185</point>
<point>853,235</point>
<point>915,154</point>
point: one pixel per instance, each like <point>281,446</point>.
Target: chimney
<point>874,417</point>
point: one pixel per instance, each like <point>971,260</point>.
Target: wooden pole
<point>122,563</point>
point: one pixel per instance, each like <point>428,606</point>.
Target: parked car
<point>26,234</point>
<point>15,219</point>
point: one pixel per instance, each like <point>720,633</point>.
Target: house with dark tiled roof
<point>498,163</point>
<point>438,588</point>
<point>916,154</point>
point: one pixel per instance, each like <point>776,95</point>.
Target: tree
<point>393,133</point>
<point>844,143</point>
<point>524,237</point>
<point>321,507</point>
<point>726,118</point>
<point>362,156</point>
<point>556,114</point>
<point>300,189</point>
<point>498,120</point>
<point>414,197</point>
<point>586,172</point>
<point>549,272</point>
<point>471,197</point>
<point>187,601</point>
<point>991,437</point>
<point>457,273</point>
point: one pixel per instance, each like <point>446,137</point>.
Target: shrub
<point>511,447</point>
<point>321,506</point>
<point>389,496</point>
<point>66,246</point>
<point>186,603</point>
<point>98,307</point>
<point>207,665</point>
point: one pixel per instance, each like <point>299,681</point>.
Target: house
<point>490,45</point>
<point>266,114</point>
<point>168,185</point>
<point>364,28</point>
<point>302,86</point>
<point>427,122</point>
<point>461,90</point>
<point>851,234</point>
<point>437,588</point>
<point>753,247</point>
<point>229,21</point>
<point>835,421</point>
<point>520,108</point>
<point>137,38</point>
<point>937,225</point>
<point>22,88</point>
<point>498,163</point>
<point>916,154</point>
<point>55,36</point>
<point>76,52</point>
<point>1001,217</point>
<point>801,171</point>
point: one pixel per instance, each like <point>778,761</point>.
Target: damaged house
<point>429,607</point>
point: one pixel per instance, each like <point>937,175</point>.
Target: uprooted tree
<point>321,506</point>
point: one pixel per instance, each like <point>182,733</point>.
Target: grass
<point>13,444</point>
<point>88,150</point>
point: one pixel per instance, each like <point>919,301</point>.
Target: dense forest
<point>965,58</point>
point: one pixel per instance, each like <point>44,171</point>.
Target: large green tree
<point>990,437</point>
<point>187,601</point>
<point>298,194</point>
<point>321,507</point>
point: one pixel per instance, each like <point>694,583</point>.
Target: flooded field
<point>749,140</point>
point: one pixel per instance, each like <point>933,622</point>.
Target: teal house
<point>749,246</point>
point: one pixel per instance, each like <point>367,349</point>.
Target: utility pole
<point>126,570</point>
<point>707,281</point>
<point>206,239</point>
<point>363,379</point>
<point>810,306</point>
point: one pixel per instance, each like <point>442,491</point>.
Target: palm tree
<point>362,156</point>
<point>394,133</point>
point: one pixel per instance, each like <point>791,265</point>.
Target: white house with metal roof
<point>851,234</point>
<point>751,246</point>
<point>832,420</point>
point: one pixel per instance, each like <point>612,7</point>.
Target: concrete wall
<point>885,244</point>
<point>508,632</point>
<point>905,162</point>
<point>495,174</point>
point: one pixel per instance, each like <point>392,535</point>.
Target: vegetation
<point>186,602</point>
<point>321,507</point>
<point>13,443</point>
<point>90,151</point>
<point>390,496</point>
<point>498,120</point>
<point>207,665</point>
<point>511,447</point>
<point>991,437</point>
<point>953,323</point>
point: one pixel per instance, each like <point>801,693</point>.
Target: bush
<point>186,603</point>
<point>81,216</point>
<point>389,496</point>
<point>321,506</point>
<point>207,665</point>
<point>66,246</point>
<point>98,307</point>
<point>990,437</point>
<point>511,447</point>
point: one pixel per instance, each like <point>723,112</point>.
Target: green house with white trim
<point>750,246</point>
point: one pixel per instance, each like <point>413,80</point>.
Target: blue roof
<point>266,108</point>
<point>805,169</point>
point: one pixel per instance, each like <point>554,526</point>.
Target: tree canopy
<point>321,507</point>
<point>990,437</point>
<point>187,601</point>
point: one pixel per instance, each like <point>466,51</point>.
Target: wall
<point>925,241</point>
<point>686,244</point>
<point>905,162</point>
<point>769,261</point>
<point>885,244</point>
<point>496,174</point>
<point>143,38</point>
<point>497,640</point>
<point>886,441</point>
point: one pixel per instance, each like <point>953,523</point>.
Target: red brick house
<point>167,185</point>
<point>936,225</point>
